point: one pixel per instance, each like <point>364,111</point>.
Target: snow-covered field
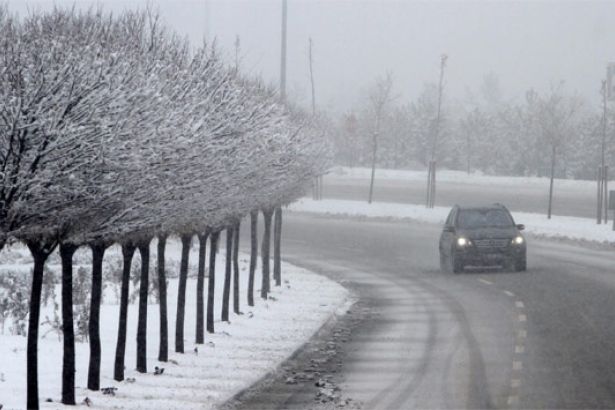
<point>460,177</point>
<point>565,227</point>
<point>233,358</point>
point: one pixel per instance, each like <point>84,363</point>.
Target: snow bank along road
<point>540,339</point>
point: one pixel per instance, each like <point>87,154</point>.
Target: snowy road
<point>425,339</point>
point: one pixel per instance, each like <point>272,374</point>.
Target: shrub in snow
<point>82,285</point>
<point>14,288</point>
<point>112,274</point>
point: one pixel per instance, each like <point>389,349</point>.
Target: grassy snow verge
<point>559,227</point>
<point>233,358</point>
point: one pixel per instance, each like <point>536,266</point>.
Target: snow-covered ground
<point>233,358</point>
<point>566,227</point>
<point>460,177</point>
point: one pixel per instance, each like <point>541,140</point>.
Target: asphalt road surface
<point>421,338</point>
<point>567,201</point>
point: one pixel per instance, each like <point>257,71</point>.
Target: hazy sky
<point>526,43</point>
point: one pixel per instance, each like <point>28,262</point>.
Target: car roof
<point>481,207</point>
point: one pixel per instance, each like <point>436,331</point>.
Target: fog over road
<point>540,339</point>
<point>567,201</point>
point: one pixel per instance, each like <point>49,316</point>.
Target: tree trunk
<point>600,191</point>
<point>128,251</point>
<point>227,274</point>
<point>142,319</point>
<point>236,268</point>
<point>373,175</point>
<point>253,255</point>
<point>68,330</point>
<point>163,351</point>
<point>551,183</point>
<point>469,153</point>
<point>40,252</point>
<point>98,252</point>
<point>266,245</point>
<point>181,294</point>
<point>277,244</point>
<point>211,283</point>
<point>200,289</point>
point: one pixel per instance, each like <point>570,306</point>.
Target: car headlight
<point>518,240</point>
<point>461,242</point>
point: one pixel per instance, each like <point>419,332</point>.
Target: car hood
<point>488,233</point>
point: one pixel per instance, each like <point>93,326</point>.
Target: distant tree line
<point>115,130</point>
<point>482,133</point>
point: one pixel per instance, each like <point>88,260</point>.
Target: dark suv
<point>482,236</point>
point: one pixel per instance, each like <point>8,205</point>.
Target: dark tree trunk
<point>200,289</point>
<point>128,251</point>
<point>266,246</point>
<point>277,244</point>
<point>227,274</point>
<point>211,283</point>
<point>181,294</point>
<point>98,252</point>
<point>550,206</point>
<point>163,351</point>
<point>253,255</point>
<point>142,319</point>
<point>373,175</point>
<point>68,330</point>
<point>236,268</point>
<point>40,252</point>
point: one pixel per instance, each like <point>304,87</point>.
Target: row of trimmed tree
<point>114,130</point>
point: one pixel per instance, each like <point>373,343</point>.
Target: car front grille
<point>491,243</point>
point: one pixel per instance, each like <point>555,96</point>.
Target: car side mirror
<point>449,228</point>
<point>520,227</point>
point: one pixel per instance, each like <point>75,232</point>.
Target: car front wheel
<point>443,263</point>
<point>456,263</point>
<point>520,264</point>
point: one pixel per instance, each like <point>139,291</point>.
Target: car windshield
<point>479,218</point>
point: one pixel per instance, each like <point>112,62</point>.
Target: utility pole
<point>283,54</point>
<point>312,77</point>
<point>207,20</point>
<point>431,174</point>
<point>602,170</point>
<point>317,182</point>
<point>277,211</point>
<point>237,49</point>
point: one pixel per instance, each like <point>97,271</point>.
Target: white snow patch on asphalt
<point>565,227</point>
<point>236,356</point>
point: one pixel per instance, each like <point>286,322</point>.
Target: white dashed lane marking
<point>485,281</point>
<point>512,400</point>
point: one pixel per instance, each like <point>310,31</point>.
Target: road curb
<point>268,378</point>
